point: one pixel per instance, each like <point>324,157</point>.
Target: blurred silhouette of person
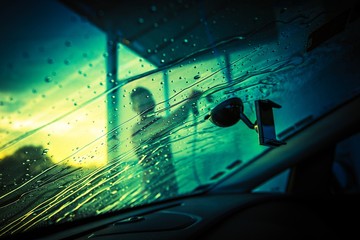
<point>150,138</point>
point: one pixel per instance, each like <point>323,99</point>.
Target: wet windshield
<point>103,108</point>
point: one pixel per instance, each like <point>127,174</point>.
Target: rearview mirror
<point>230,111</point>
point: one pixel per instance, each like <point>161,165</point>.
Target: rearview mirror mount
<point>231,111</point>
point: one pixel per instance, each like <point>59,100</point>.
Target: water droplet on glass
<point>141,20</point>
<point>45,151</point>
<point>283,10</point>
<point>153,8</point>
<point>197,76</point>
<point>110,43</point>
<point>264,91</point>
<point>186,40</point>
<point>47,79</point>
<point>68,44</point>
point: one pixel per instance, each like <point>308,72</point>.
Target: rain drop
<point>47,79</point>
<point>153,8</point>
<point>68,44</point>
<point>283,10</point>
<point>141,20</point>
<point>45,151</point>
<point>264,91</point>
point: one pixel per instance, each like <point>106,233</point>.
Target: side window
<point>275,184</point>
<point>346,166</point>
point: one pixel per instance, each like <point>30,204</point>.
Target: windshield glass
<point>104,107</point>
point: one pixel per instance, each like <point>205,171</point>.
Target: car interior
<point>269,150</point>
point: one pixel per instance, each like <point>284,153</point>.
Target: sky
<point>53,65</point>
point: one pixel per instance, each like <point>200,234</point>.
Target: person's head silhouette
<point>142,101</point>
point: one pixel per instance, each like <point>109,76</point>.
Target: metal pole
<point>112,98</point>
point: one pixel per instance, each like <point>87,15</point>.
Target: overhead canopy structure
<point>166,31</point>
